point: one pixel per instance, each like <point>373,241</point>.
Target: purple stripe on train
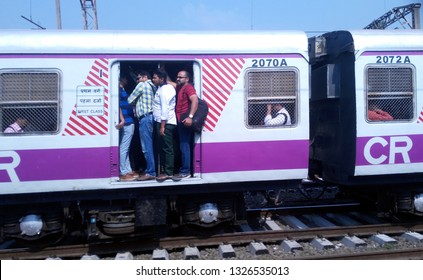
<point>396,149</point>
<point>58,164</point>
<point>89,163</point>
<point>250,156</point>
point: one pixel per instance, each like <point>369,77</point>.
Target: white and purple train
<point>61,175</point>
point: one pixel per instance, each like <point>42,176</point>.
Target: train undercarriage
<point>157,215</point>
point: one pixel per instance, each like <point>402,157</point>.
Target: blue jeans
<point>185,139</point>
<point>125,137</point>
<point>146,137</point>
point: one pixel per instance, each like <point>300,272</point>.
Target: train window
<point>271,87</point>
<point>390,93</point>
<point>29,99</point>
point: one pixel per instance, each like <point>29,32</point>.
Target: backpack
<point>199,117</point>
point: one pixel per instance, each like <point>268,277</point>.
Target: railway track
<point>269,241</point>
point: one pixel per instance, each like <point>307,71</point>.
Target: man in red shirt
<point>376,114</point>
<point>186,101</point>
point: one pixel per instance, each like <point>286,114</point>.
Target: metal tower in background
<point>398,14</point>
<point>89,14</point>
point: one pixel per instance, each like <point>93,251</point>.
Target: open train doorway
<point>130,70</point>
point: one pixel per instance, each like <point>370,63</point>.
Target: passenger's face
<point>156,80</point>
<point>141,78</point>
<point>277,107</point>
<point>22,123</point>
<point>182,78</point>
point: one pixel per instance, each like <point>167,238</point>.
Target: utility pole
<point>58,15</point>
<point>89,12</point>
<point>397,14</point>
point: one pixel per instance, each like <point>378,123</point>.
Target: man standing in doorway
<point>187,100</point>
<point>165,123</point>
<point>143,95</point>
<point>126,131</point>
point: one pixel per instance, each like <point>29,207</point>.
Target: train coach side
<point>63,169</point>
<point>366,87</point>
<point>66,84</point>
<point>389,78</point>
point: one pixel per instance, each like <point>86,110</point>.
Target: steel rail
<point>239,238</point>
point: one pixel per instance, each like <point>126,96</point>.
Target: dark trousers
<point>165,149</point>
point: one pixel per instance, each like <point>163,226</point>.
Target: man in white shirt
<point>165,123</point>
<point>282,116</point>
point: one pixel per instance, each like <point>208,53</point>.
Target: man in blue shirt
<point>126,131</point>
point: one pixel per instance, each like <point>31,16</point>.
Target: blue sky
<point>308,15</point>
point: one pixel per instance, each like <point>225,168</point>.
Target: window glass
<point>278,89</point>
<point>32,96</point>
<point>390,94</point>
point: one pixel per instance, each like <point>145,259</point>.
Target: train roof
<point>331,44</point>
<point>151,42</point>
<point>388,39</point>
<point>392,39</point>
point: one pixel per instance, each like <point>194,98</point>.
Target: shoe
<point>126,178</point>
<point>179,177</point>
<point>134,174</point>
<point>145,177</point>
<point>162,178</point>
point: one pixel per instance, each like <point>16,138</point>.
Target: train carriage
<point>353,75</point>
<point>354,136</point>
<point>67,85</point>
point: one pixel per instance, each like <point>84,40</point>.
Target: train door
<point>130,69</point>
<point>114,118</point>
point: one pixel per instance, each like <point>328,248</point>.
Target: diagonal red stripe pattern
<point>420,118</point>
<point>219,78</point>
<point>92,125</point>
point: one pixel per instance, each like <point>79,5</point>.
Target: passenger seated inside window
<point>17,127</point>
<point>377,114</point>
<point>277,115</point>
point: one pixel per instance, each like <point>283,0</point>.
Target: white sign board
<point>90,101</point>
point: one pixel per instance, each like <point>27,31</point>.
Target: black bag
<point>199,117</point>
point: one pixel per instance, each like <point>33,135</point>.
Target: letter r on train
<point>9,160</point>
